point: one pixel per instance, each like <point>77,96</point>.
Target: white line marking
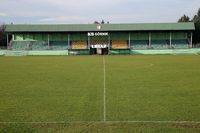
<point>104,89</point>
<point>107,122</point>
<point>153,122</point>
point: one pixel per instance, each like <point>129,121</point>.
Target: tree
<point>96,22</point>
<point>2,35</point>
<point>184,18</point>
<point>196,20</point>
<point>102,22</point>
<point>196,33</point>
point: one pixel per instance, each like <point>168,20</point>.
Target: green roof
<point>93,27</point>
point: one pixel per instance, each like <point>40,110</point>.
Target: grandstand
<point>100,39</point>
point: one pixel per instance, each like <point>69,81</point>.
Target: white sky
<point>87,11</point>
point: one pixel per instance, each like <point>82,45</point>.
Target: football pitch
<point>159,93</point>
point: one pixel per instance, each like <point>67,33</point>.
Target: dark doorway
<point>98,51</point>
<point>104,51</point>
<point>93,51</point>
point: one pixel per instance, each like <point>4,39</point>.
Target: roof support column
<point>109,46</point>
<point>48,42</point>
<point>88,42</point>
<point>149,40</point>
<point>129,41</point>
<point>170,39</point>
<point>68,43</point>
<point>191,40</point>
<point>13,37</point>
<point>7,41</point>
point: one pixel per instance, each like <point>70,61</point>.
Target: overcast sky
<point>87,11</point>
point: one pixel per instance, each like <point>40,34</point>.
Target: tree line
<point>196,21</point>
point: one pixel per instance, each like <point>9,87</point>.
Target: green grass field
<point>66,94</point>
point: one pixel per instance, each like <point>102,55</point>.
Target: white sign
<point>97,33</point>
<point>99,46</point>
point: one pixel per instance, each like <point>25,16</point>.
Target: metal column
<point>170,40</point>
<point>129,40</point>
<point>7,41</point>
<point>109,43</point>
<point>68,41</point>
<point>191,40</point>
<point>48,42</point>
<point>149,40</point>
<point>88,42</point>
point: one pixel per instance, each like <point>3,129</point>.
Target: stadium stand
<point>112,38</point>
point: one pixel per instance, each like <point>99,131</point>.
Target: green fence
<point>167,51</point>
<point>87,52</point>
<point>2,52</point>
<point>30,53</point>
<point>79,52</point>
<point>48,52</point>
<point>119,51</point>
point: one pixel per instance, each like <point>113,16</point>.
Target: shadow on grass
<point>99,128</point>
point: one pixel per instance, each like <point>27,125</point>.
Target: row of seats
<point>180,44</point>
<point>39,45</point>
<point>159,44</point>
<point>134,44</point>
<point>139,44</point>
<point>119,45</point>
<point>20,45</point>
<point>79,45</point>
<point>27,45</point>
<point>59,45</point>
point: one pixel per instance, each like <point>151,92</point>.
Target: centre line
<point>104,89</point>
